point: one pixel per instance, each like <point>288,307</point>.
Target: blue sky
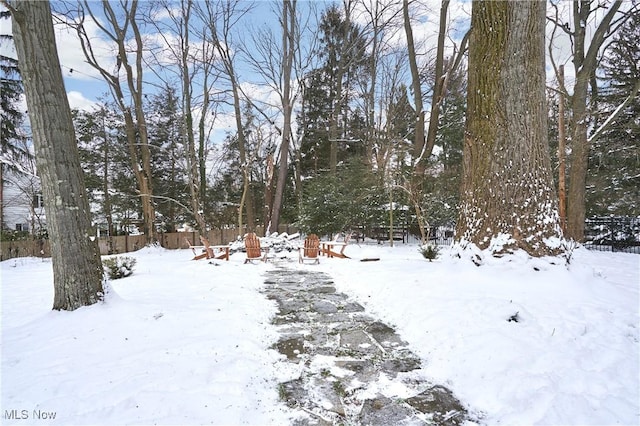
<point>84,86</point>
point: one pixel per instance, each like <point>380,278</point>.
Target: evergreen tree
<point>227,188</point>
<point>13,150</point>
<point>442,186</point>
<point>107,173</point>
<point>339,202</point>
<point>329,92</point>
<point>613,182</point>
<point>11,118</point>
<point>168,159</point>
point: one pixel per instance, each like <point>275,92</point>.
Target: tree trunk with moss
<point>508,201</point>
<point>77,268</point>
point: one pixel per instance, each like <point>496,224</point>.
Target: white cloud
<point>72,60</point>
<point>78,101</point>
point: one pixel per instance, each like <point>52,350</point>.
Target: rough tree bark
<point>508,201</point>
<point>77,268</point>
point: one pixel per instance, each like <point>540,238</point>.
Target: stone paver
<point>356,370</point>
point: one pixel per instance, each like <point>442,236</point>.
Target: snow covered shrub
<point>429,251</point>
<point>119,266</point>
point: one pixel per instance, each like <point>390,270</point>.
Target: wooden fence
<point>129,243</point>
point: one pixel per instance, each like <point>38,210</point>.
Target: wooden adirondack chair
<point>207,250</point>
<point>254,252</point>
<point>204,249</point>
<point>311,249</point>
<point>329,247</point>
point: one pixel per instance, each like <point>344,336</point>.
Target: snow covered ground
<point>187,342</point>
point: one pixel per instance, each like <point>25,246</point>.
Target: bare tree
<point>586,57</point>
<point>220,17</point>
<point>443,72</point>
<point>423,147</point>
<point>416,86</point>
<point>278,69</point>
<point>508,201</point>
<point>382,24</point>
<point>281,61</point>
<point>191,64</point>
<point>118,27</point>
<point>77,268</point>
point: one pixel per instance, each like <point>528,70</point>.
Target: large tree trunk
<point>77,268</point>
<point>508,201</point>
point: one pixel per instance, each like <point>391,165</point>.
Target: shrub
<point>429,251</point>
<point>119,266</point>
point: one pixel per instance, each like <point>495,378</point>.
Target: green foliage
<point>105,160</point>
<point>13,148</point>
<point>328,93</point>
<point>119,266</point>
<point>12,235</point>
<point>334,203</point>
<point>429,251</point>
<point>165,128</point>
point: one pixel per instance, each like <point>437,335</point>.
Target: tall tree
<point>77,268</point>
<point>586,56</point>
<point>170,172</point>
<point>290,37</point>
<point>120,26</point>
<point>221,19</point>
<point>193,66</point>
<point>345,60</point>
<point>416,86</point>
<point>423,144</point>
<point>277,63</point>
<point>102,157</point>
<point>507,201</point>
<point>381,26</point>
<point>329,116</point>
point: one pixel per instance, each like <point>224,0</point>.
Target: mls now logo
<point>26,414</point>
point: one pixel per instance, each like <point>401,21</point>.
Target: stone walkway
<point>355,370</point>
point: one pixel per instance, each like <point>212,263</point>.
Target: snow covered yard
<point>182,342</point>
<point>572,357</point>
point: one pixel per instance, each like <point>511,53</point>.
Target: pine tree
<point>107,172</point>
<point>329,114</point>
<point>13,152</point>
<point>11,118</point>
<point>167,157</point>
